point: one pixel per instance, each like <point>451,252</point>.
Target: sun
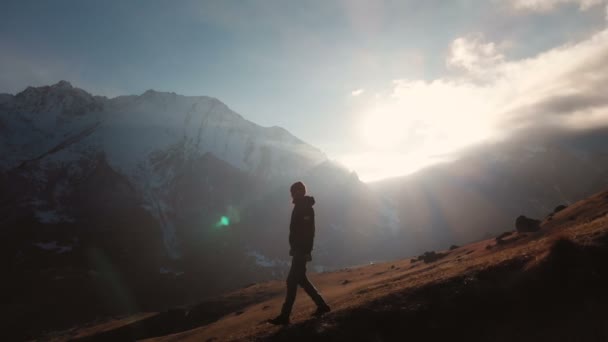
<point>383,128</point>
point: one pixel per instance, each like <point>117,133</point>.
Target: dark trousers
<point>297,276</point>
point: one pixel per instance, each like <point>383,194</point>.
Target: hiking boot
<point>321,310</point>
<point>279,320</point>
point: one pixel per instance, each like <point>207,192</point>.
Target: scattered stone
<point>559,208</point>
<point>266,307</point>
<point>431,256</point>
<point>500,238</point>
<point>238,313</point>
<point>504,235</point>
<point>526,225</point>
<point>344,282</point>
<point>392,266</point>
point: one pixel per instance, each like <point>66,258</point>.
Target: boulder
<point>526,225</point>
<point>559,208</point>
<point>431,256</point>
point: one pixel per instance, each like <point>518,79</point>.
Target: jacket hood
<point>308,201</point>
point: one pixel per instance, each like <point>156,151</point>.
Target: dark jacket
<point>302,226</point>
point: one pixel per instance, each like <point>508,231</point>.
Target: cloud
<point>548,5</point>
<point>357,92</point>
<point>563,88</point>
<point>473,55</point>
<point>562,85</point>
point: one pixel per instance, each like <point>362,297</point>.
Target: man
<point>301,236</point>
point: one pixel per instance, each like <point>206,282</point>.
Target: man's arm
<point>308,235</point>
<point>292,234</point>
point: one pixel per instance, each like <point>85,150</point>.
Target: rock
<point>500,239</point>
<point>559,208</point>
<point>503,235</point>
<point>453,247</point>
<point>431,256</point>
<point>527,225</point>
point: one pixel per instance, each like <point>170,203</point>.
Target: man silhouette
<point>301,236</point>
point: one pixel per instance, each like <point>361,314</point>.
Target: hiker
<point>301,236</point>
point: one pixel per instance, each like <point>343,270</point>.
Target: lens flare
<point>223,222</point>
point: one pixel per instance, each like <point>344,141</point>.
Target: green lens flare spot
<point>223,222</point>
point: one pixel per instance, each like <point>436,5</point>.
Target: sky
<point>383,87</point>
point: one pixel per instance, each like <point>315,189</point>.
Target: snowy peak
<point>62,129</point>
<point>159,120</point>
<point>61,98</point>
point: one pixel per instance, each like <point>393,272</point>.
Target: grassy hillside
<point>548,285</point>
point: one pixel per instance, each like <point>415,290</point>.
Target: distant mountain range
<point>143,202</point>
<point>134,202</point>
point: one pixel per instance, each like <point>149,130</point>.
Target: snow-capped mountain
<point>140,138</point>
<point>117,205</point>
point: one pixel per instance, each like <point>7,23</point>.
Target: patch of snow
<point>53,246</point>
<point>51,216</point>
<point>264,261</point>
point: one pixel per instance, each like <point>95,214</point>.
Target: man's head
<point>298,190</point>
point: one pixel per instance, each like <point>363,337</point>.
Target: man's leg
<point>311,290</point>
<point>297,270</point>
